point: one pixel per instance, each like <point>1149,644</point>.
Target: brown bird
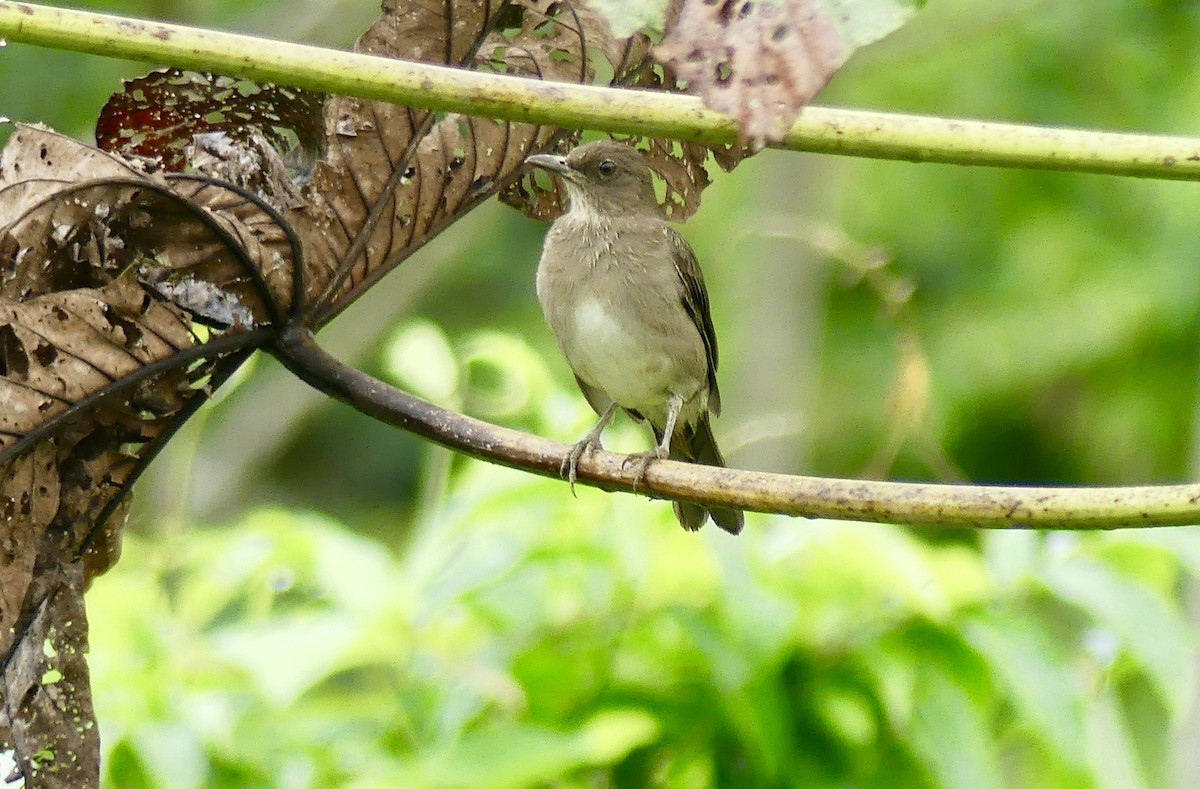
<point>624,296</point>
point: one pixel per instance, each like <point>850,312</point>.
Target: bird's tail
<point>695,443</point>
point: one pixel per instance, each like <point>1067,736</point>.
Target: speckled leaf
<point>394,176</point>
<point>47,718</point>
<point>762,61</point>
<point>98,366</point>
<point>160,116</point>
<point>680,166</point>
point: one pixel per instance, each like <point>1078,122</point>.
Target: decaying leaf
<point>392,176</point>
<point>98,367</point>
<point>159,117</point>
<point>47,718</point>
<point>762,61</point>
<point>759,61</point>
<point>680,166</point>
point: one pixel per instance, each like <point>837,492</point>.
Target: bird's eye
<point>607,167</point>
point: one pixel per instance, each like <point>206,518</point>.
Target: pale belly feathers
<point>631,361</point>
<point>605,353</point>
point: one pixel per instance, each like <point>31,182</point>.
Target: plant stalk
<point>881,135</point>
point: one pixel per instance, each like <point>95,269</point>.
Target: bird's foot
<point>570,466</point>
<point>641,461</point>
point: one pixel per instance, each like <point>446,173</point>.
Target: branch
<point>990,507</point>
<point>656,114</point>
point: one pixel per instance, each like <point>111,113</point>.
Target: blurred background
<point>309,598</point>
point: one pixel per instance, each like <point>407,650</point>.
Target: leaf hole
<point>45,354</point>
<point>14,362</point>
<point>509,20</point>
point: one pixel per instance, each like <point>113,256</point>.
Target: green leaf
<point>950,734</point>
<point>1011,555</point>
<point>173,755</point>
<point>758,715</point>
<point>506,377</point>
<point>276,555</point>
<point>610,735</point>
<point>522,755</point>
<point>1153,631</point>
<point>418,357</point>
<point>1038,678</point>
<point>1182,543</point>
<point>863,22</point>
<point>289,655</point>
<point>850,576</point>
<point>1111,747</point>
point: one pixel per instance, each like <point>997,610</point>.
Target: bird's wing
<point>695,301</point>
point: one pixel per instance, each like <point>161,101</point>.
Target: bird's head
<point>603,177</point>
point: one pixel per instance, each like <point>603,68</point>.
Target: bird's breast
<point>618,318</point>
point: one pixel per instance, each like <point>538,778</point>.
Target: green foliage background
<point>312,599</point>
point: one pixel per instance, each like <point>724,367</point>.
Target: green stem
<point>846,132</point>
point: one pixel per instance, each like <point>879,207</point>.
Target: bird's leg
<point>590,442</point>
<point>663,450</point>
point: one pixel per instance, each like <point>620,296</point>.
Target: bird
<point>622,292</point>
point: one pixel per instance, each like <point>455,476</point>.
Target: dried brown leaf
<point>99,364</point>
<point>759,61</point>
<point>86,329</point>
<point>178,233</point>
<point>159,116</point>
<point>47,701</point>
<point>394,176</point>
<point>679,165</point>
<point>204,238</point>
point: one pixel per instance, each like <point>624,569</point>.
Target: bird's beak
<point>555,164</point>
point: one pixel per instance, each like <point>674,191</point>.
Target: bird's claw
<point>570,466</point>
<point>641,461</point>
